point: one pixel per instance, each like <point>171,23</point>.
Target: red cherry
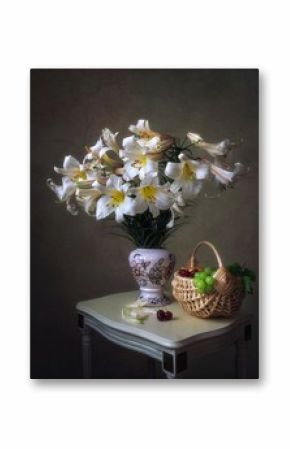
<point>184,272</point>
<point>160,315</point>
<point>168,315</point>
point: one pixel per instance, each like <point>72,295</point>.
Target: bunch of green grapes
<point>204,280</point>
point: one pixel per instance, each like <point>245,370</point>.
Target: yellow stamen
<point>188,171</point>
<point>117,197</point>
<point>146,134</point>
<point>141,162</point>
<point>148,193</point>
<point>81,175</point>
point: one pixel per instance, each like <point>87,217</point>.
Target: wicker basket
<point>224,301</point>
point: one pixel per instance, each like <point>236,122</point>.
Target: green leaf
<point>247,284</point>
<point>149,232</point>
<point>250,274</point>
<point>247,276</point>
<point>235,269</point>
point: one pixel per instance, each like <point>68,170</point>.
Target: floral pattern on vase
<point>151,269</point>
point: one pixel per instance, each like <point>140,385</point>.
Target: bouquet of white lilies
<point>146,182</point>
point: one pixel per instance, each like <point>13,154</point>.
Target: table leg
<point>87,352</point>
<point>173,376</point>
<point>86,347</point>
<point>174,364</point>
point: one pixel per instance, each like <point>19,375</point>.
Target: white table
<point>168,342</point>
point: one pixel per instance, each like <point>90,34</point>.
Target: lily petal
<point>95,149</point>
<point>71,167</point>
<point>71,162</point>
<point>87,199</point>
<point>114,182</point>
<point>149,179</point>
<point>130,171</point>
<point>222,175</point>
<point>202,171</point>
<point>110,139</point>
<point>141,127</point>
<point>64,191</point>
<point>173,169</point>
<point>163,200</point>
<point>153,209</point>
<point>150,144</point>
<point>129,206</point>
<point>194,138</point>
<point>140,204</point>
<point>216,149</point>
<point>104,207</point>
<point>119,215</point>
<point>98,186</point>
<point>130,143</point>
<point>176,185</point>
<point>171,222</point>
<point>89,204</point>
<point>151,168</point>
<point>191,189</point>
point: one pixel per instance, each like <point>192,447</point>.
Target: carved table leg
<point>174,376</point>
<point>87,353</point>
<point>86,348</point>
<point>174,365</point>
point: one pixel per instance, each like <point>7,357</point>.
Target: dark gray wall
<point>74,258</point>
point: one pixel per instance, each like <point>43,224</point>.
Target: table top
<point>183,329</point>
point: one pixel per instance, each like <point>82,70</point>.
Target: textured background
<point>74,258</point>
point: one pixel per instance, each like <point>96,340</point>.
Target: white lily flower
<point>73,169</point>
<point>138,161</point>
<point>214,149</point>
<point>79,173</point>
<point>114,199</point>
<point>74,174</point>
<point>142,129</point>
<point>178,202</point>
<point>178,198</point>
<point>225,176</point>
<point>153,140</point>
<point>110,140</point>
<point>65,192</point>
<point>187,175</point>
<point>106,150</point>
<point>95,150</point>
<point>194,138</point>
<point>153,144</point>
<point>87,198</point>
<point>153,196</point>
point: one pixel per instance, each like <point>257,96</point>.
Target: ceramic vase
<point>151,269</point>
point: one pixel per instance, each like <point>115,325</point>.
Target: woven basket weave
<point>224,301</point>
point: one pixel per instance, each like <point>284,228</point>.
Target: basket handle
<point>212,247</point>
